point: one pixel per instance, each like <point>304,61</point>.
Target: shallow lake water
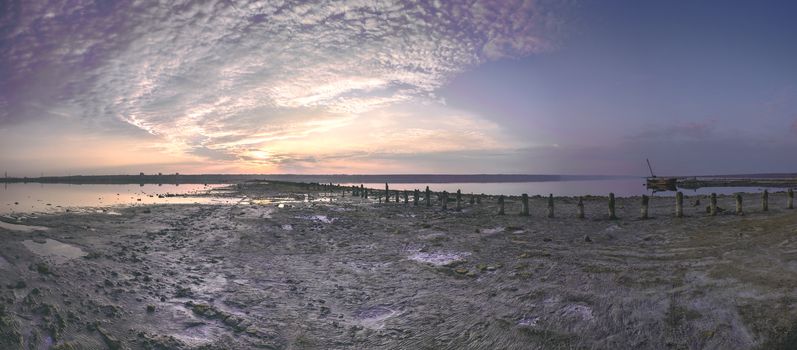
<point>620,187</point>
<point>50,198</point>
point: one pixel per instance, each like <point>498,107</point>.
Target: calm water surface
<point>32,197</point>
<point>620,187</point>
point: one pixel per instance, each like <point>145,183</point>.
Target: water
<point>620,187</point>
<point>51,198</point>
<point>59,252</point>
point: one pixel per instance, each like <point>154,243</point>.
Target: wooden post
<point>406,197</point>
<point>459,200</point>
<point>363,193</point>
<point>612,215</point>
<point>643,212</point>
<point>790,199</point>
<point>472,198</point>
<point>713,205</point>
<point>445,200</point>
<point>739,210</point>
<point>679,204</point>
<point>524,209</point>
<point>428,197</point>
<point>387,193</point>
<point>765,201</point>
<point>415,195</point>
<point>550,205</point>
<point>580,207</point>
<point>479,198</point>
<point>397,196</point>
<point>501,205</point>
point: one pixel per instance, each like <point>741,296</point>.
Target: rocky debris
<point>210,312</point>
<point>10,335</point>
<point>110,340</point>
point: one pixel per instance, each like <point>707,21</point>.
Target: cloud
<point>687,130</point>
<point>221,78</point>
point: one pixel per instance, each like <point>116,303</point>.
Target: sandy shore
<point>290,267</point>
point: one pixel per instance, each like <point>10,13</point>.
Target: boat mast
<point>650,168</point>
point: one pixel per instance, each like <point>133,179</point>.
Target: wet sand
<point>292,267</point>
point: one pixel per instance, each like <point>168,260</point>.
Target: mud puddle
<point>59,252</point>
<point>21,228</point>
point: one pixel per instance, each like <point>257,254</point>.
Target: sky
<point>386,87</point>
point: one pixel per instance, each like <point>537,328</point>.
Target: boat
<point>656,183</point>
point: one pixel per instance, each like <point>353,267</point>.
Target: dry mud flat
<point>291,267</point>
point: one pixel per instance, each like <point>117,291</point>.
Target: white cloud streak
<point>233,77</point>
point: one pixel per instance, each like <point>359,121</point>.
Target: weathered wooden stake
<point>365,193</point>
<point>765,201</point>
<point>459,200</point>
<point>679,204</point>
<point>790,199</point>
<point>713,205</point>
<point>643,212</point>
<point>524,209</point>
<point>550,205</point>
<point>501,205</point>
<point>397,196</point>
<point>406,197</point>
<point>472,198</point>
<point>479,198</point>
<point>445,200</point>
<point>415,195</point>
<point>612,215</point>
<point>580,207</point>
<point>739,210</point>
<point>387,193</point>
<point>428,197</point>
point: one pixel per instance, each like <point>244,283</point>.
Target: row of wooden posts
<point>524,199</point>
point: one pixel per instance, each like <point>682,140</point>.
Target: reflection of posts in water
<point>428,197</point>
<point>612,215</point>
<point>580,207</point>
<point>739,210</point>
<point>679,204</point>
<point>459,200</point>
<point>790,199</point>
<point>406,197</point>
<point>415,196</point>
<point>713,205</point>
<point>524,209</point>
<point>501,205</point>
<point>444,198</point>
<point>765,201</point>
<point>550,205</point>
<point>643,212</point>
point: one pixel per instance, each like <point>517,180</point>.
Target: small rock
<point>150,308</point>
<point>587,239</point>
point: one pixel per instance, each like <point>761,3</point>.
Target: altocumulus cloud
<point>269,82</point>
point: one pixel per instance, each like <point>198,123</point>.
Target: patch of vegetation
<point>678,314</point>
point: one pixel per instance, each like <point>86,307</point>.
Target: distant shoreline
<point>237,178</point>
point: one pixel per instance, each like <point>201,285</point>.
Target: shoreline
<point>295,267</point>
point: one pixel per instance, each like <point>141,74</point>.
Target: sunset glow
<point>362,86</point>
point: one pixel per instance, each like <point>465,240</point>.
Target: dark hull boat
<point>660,183</point>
